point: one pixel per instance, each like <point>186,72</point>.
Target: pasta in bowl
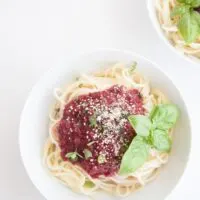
<point>177,22</point>
<point>111,130</point>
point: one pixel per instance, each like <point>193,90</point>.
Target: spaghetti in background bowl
<point>35,121</point>
<point>152,6</point>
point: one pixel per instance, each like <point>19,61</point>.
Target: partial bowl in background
<point>151,5</point>
<point>34,126</point>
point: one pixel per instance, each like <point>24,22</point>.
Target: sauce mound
<point>96,127</point>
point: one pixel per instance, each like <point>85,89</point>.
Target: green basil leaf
<point>180,10</point>
<point>183,1</point>
<point>189,27</point>
<point>153,111</point>
<point>196,15</point>
<point>141,124</point>
<point>188,2</point>
<point>135,156</point>
<point>164,116</point>
<point>161,140</point>
<point>195,3</point>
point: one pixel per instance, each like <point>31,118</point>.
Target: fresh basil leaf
<point>157,113</point>
<point>180,10</point>
<point>141,124</point>
<point>135,156</point>
<point>87,153</point>
<point>195,3</point>
<point>153,112</point>
<point>183,1</point>
<point>188,2</point>
<point>165,116</point>
<point>161,140</point>
<point>189,27</point>
<point>196,15</point>
<point>89,184</point>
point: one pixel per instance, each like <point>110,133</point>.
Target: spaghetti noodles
<point>74,176</point>
<point>169,26</point>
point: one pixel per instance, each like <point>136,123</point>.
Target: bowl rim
<point>156,25</point>
<point>74,58</point>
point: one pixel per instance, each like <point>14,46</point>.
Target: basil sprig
<point>189,19</point>
<point>152,132</point>
<point>135,156</point>
<point>142,124</point>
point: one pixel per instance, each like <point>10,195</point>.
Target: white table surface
<point>36,35</point>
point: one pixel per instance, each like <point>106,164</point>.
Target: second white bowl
<point>151,5</point>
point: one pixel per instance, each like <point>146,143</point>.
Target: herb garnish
<point>93,121</point>
<point>189,19</point>
<point>132,67</point>
<point>89,184</point>
<point>142,124</point>
<point>73,156</point>
<point>151,131</point>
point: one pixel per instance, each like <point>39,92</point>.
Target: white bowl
<point>154,19</point>
<point>34,126</point>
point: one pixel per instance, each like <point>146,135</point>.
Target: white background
<point>36,35</point>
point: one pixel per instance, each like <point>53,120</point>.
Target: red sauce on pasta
<point>95,126</point>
